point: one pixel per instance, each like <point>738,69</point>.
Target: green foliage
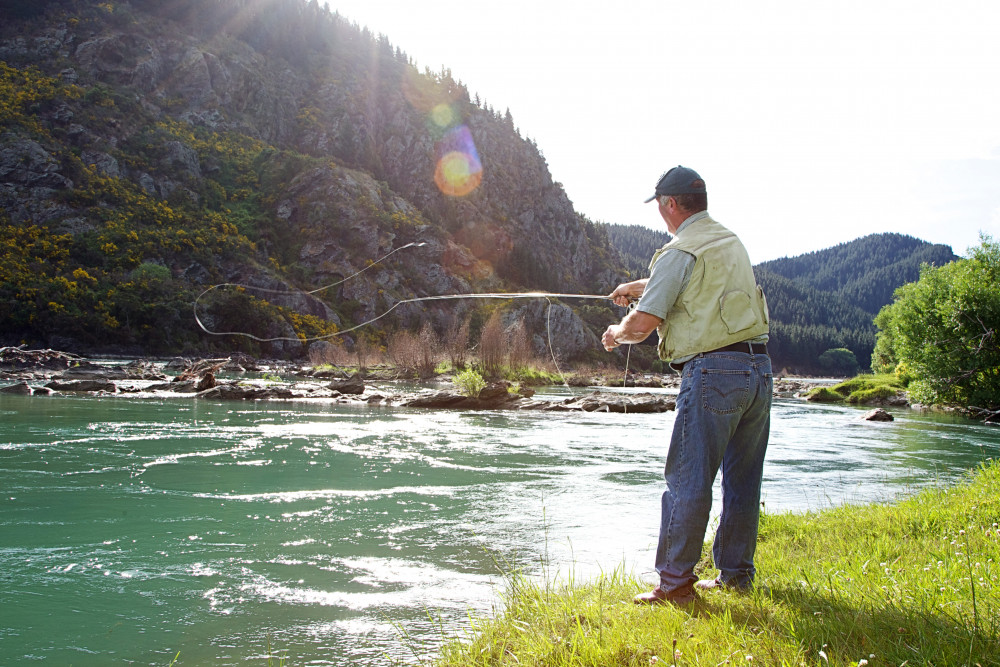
<point>861,389</point>
<point>25,94</point>
<point>828,298</point>
<point>863,272</point>
<point>636,245</point>
<point>944,328</point>
<point>530,375</point>
<point>865,382</point>
<point>823,395</point>
<point>469,382</point>
<point>874,394</point>
<point>839,361</point>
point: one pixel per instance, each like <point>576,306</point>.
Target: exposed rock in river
<point>878,415</point>
<point>82,385</point>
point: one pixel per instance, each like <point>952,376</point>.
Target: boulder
<point>21,388</point>
<point>352,385</point>
<point>612,402</point>
<point>878,415</point>
<point>225,392</point>
<point>82,385</point>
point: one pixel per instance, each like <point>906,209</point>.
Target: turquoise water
<point>136,528</point>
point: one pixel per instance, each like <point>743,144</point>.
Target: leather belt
<point>748,348</point>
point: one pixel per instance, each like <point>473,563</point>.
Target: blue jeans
<point>723,419</point>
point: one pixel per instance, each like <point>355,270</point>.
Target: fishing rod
<point>438,297</point>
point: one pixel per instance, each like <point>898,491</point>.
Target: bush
<point>456,342</point>
<point>839,361</point>
<point>405,352</point>
<point>491,346</point>
<point>429,347</point>
<point>945,329</point>
<point>469,383</point>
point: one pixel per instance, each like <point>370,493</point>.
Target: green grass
<point>908,583</point>
<point>859,389</point>
<point>531,375</point>
<point>824,395</point>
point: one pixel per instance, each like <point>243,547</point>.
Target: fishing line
<point>440,297</point>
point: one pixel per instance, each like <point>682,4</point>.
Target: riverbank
<point>908,583</point>
<point>240,378</point>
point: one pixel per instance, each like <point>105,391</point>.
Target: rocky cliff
<point>149,150</point>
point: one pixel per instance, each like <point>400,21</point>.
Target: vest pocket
<point>763,303</point>
<point>737,312</point>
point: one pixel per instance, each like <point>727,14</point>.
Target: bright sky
<point>813,123</point>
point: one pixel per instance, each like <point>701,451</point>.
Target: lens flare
<point>456,176</point>
<point>443,115</point>
<point>458,171</point>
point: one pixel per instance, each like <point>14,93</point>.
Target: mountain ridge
<point>149,150</point>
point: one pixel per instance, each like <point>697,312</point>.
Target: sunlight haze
<point>813,124</point>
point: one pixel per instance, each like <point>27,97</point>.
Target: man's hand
<point>628,292</point>
<point>634,328</point>
<point>608,339</point>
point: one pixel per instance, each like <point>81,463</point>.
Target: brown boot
<point>679,597</point>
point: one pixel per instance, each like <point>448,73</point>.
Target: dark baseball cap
<point>679,181</point>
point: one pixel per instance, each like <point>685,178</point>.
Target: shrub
<point>839,361</point>
<point>456,342</point>
<point>519,350</point>
<point>945,328</point>
<point>429,345</point>
<point>491,346</point>
<point>404,352</point>
<point>469,382</point>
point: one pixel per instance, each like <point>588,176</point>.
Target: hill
<point>636,244</point>
<point>151,149</point>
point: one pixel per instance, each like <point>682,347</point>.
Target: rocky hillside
<point>149,150</point>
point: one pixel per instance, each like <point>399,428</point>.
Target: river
<point>136,528</point>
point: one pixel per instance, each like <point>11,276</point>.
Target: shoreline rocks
<point>47,372</point>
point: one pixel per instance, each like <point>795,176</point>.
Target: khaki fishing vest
<point>722,303</point>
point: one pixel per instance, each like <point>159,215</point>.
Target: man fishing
<point>702,299</point>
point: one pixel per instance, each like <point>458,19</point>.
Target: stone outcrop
<point>17,358</point>
<point>353,385</point>
<point>83,385</point>
<point>21,388</point>
<point>878,415</point>
<point>499,397</point>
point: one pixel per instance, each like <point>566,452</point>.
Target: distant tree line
<point>637,245</point>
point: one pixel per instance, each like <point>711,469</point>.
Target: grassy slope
<point>910,583</point>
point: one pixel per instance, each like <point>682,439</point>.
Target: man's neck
<point>691,218</point>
